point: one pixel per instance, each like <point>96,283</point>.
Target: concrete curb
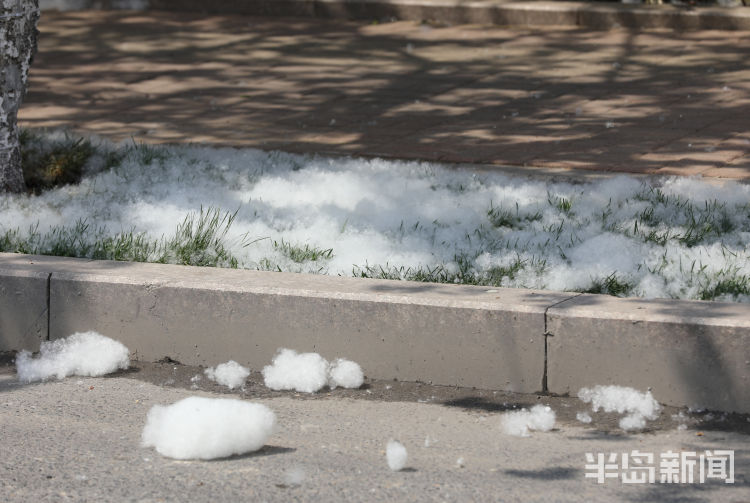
<point>498,12</point>
<point>689,353</point>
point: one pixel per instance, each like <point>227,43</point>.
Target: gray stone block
<point>689,352</point>
<point>446,334</point>
<point>23,309</point>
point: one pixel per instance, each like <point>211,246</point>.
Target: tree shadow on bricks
<point>564,98</point>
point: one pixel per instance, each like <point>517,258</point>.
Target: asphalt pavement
<point>79,440</point>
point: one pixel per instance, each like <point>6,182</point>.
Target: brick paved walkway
<point>618,100</point>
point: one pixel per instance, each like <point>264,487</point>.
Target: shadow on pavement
<point>640,102</point>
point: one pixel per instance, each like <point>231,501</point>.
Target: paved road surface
<point>78,440</point>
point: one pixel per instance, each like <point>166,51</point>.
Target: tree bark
<point>18,33</point>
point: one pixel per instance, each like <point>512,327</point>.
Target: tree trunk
<point>18,19</point>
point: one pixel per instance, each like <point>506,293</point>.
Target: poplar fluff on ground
<point>637,406</point>
<point>230,374</point>
<point>310,372</point>
<point>81,354</point>
<point>345,373</point>
<point>519,422</point>
<point>208,428</point>
<point>303,372</point>
<point>396,455</point>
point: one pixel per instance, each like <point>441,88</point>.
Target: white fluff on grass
<point>303,372</point>
<point>410,217</point>
<point>396,455</point>
<point>81,354</point>
<point>230,374</point>
<point>638,406</point>
<point>518,423</point>
<point>345,373</point>
<point>207,428</point>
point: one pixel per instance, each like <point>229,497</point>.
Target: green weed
<point>51,165</point>
<point>300,254</point>
<point>610,285</point>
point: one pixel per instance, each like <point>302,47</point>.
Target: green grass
<point>147,154</point>
<point>302,253</point>
<point>610,285</point>
<point>48,165</point>
<point>726,284</point>
<point>563,204</point>
<point>462,273</point>
<point>693,224</point>
<point>501,217</point>
<point>198,240</point>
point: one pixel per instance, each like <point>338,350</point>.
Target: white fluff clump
<point>294,476</point>
<point>396,454</point>
<point>304,372</point>
<point>230,374</point>
<point>584,417</point>
<point>207,428</point>
<point>81,354</point>
<point>519,423</point>
<point>632,422</point>
<point>345,373</point>
<point>637,406</point>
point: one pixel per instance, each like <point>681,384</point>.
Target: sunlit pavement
<point>79,440</point>
<point>619,100</point>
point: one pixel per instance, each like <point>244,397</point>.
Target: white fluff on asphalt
<point>345,373</point>
<point>303,372</point>
<point>520,422</point>
<point>230,374</point>
<point>294,476</point>
<point>396,455</point>
<point>637,406</point>
<point>584,417</point>
<point>81,354</point>
<point>207,428</point>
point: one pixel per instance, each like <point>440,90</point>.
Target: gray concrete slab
<point>23,308</point>
<point>690,353</point>
<point>79,440</point>
<point>453,335</point>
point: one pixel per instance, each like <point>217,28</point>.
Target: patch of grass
<point>147,154</point>
<point>266,264</point>
<point>564,204</point>
<point>733,286</point>
<point>461,272</point>
<point>610,285</point>
<point>697,222</point>
<point>199,240</point>
<point>300,254</point>
<point>51,165</point>
<point>500,217</point>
